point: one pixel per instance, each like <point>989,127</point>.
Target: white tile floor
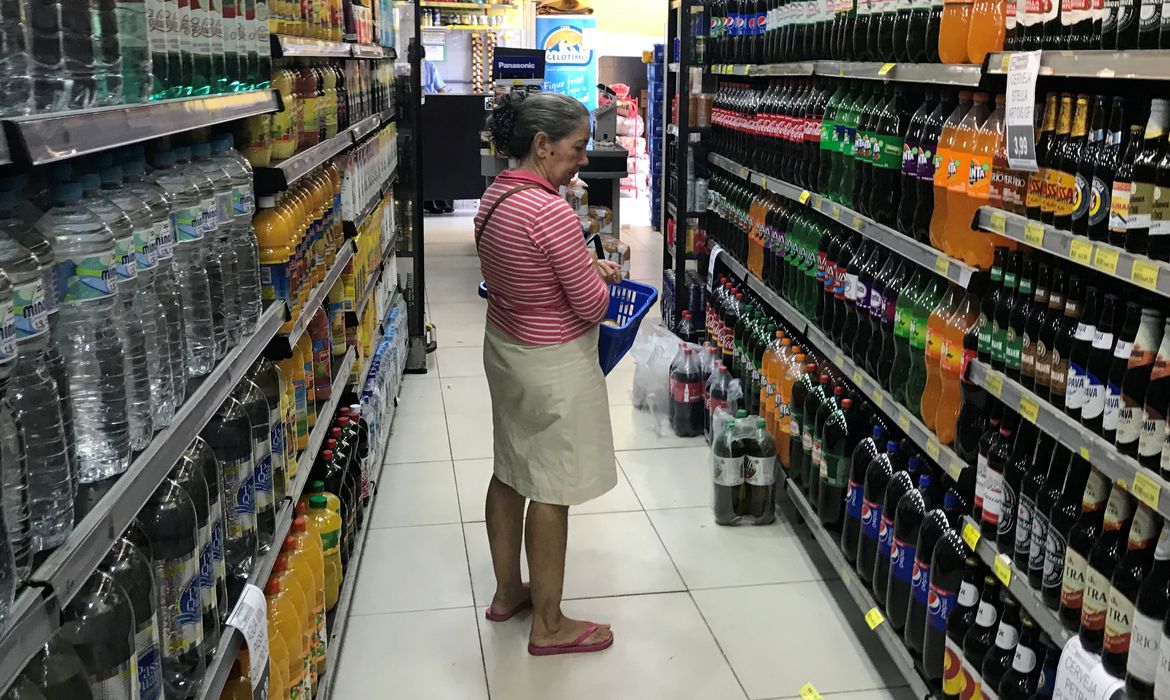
<point>700,612</point>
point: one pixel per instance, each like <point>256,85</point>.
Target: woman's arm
<point>558,233</point>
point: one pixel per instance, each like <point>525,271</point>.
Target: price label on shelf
<point>1034,234</point>
<point>954,469</point>
<point>998,222</point>
<point>764,182</point>
<point>1003,569</point>
<point>857,377</point>
<point>971,535</point>
<point>874,617</point>
<point>1023,67</point>
<point>942,265</point>
<point>994,383</point>
<point>1144,274</point>
<point>804,195</point>
<point>877,398</point>
<point>886,68</point>
<point>933,449</point>
<point>250,617</point>
<point>1081,251</point>
<point>1083,452</point>
<point>904,422</point>
<point>1146,490</point>
<point>808,692</point>
<point>858,222</point>
<point>839,359</point>
<point>836,210</point>
<point>1106,260</point>
<point>1029,409</point>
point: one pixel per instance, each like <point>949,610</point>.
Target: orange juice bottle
<point>978,248</point>
<point>239,684</point>
<point>291,584</point>
<point>285,622</point>
<point>986,30</point>
<point>954,356</point>
<point>959,175</point>
<point>310,573</point>
<point>273,237</point>
<point>953,31</point>
<point>935,322</point>
<point>942,159</point>
<point>303,350</point>
<point>328,526</point>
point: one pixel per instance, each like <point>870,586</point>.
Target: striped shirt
<point>543,287</point>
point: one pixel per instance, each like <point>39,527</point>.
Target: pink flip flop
<point>574,647</point>
<point>504,617</point>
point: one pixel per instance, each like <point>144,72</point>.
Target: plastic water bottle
<point>86,334</point>
<point>99,623</point>
<point>269,378</point>
<point>35,398</point>
<point>169,520</point>
<point>201,452</point>
<point>165,287</point>
<point>243,208</point>
<point>189,474</point>
<point>207,223</point>
<point>107,55</point>
<point>255,405</point>
<point>15,75</point>
<point>130,305</point>
<point>222,219</point>
<point>12,469</point>
<point>229,433</point>
<point>130,568</point>
<point>78,49</point>
<point>55,672</point>
<point>137,77</point>
<point>190,270</point>
<point>145,304</point>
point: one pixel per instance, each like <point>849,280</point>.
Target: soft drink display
<point>743,462</point>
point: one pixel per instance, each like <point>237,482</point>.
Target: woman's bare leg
<point>505,527</point>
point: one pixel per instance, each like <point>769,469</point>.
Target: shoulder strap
<point>483,225</point>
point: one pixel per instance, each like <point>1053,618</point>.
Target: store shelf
<point>1152,275</point>
<point>1145,64</point>
<point>32,620</point>
<point>1016,582</point>
<point>464,5</point>
<point>966,75</point>
<point>367,51</point>
<point>317,298</point>
<point>914,428</point>
<point>365,127</point>
<point>368,291</point>
<point>695,132</point>
<point>1145,485</point>
<point>277,178</point>
<point>353,226</point>
<point>231,641</point>
<point>890,639</point>
<point>44,138</point>
<point>923,255</point>
<point>284,46</point>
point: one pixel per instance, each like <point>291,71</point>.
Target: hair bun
<point>502,123</point>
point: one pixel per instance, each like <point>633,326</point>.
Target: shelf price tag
<point>858,222</point>
<point>994,383</point>
<point>971,535</point>
<point>886,68</point>
<point>1081,251</point>
<point>997,222</point>
<point>1029,409</point>
<point>1003,570</point>
<point>764,182</point>
<point>874,617</point>
<point>1146,490</point>
<point>808,692</point>
<point>904,422</point>
<point>942,265</point>
<point>954,469</point>
<point>1144,274</point>
<point>933,449</point>
<point>839,359</point>
<point>878,399</point>
<point>804,195</point>
<point>1034,234</point>
<point>857,377</point>
<point>1106,260</point>
<point>836,210</point>
<point>250,617</point>
<point>1084,453</point>
<point>1023,68</point>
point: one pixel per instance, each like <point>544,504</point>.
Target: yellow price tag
<point>1144,274</point>
<point>971,535</point>
<point>1106,260</point>
<point>878,398</point>
<point>1003,570</point>
<point>1028,409</point>
<point>886,68</point>
<point>933,449</point>
<point>1034,234</point>
<point>804,195</point>
<point>1004,61</point>
<point>998,222</point>
<point>1081,251</point>
<point>874,617</point>
<point>857,377</point>
<point>1084,453</point>
<point>904,422</point>
<point>995,384</point>
<point>808,692</point>
<point>764,182</point>
<point>942,265</point>
<point>1146,490</point>
<point>858,222</point>
<point>954,469</point>
<point>836,209</point>
<point>838,359</point>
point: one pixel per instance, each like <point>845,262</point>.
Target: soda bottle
<point>916,368</point>
<point>985,33</point>
<point>968,176</point>
<point>328,525</point>
<point>911,148</point>
<point>818,473</point>
<point>814,399</point>
<point>947,159</point>
<point>1131,571</point>
<point>55,672</point>
<point>954,30</point>
<point>903,314</point>
<point>284,621</point>
<point>900,484</point>
<point>933,591</point>
<point>99,624</point>
<point>760,473</point>
<point>840,437</point>
<point>955,393</point>
<point>878,473</point>
<point>928,162</point>
<point>1103,557</point>
<point>958,623</point>
<point>686,396</point>
<point>803,386</point>
<point>865,452</point>
<point>908,515</point>
<point>936,323</point>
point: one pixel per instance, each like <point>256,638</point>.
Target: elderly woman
<point>553,441</point>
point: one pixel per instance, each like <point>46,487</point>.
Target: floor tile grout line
<point>412,610</point>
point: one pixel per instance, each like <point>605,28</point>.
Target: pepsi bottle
<point>908,516</point>
<point>865,452</point>
<point>877,478</point>
<point>901,483</point>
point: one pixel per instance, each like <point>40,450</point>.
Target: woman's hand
<point>608,271</point>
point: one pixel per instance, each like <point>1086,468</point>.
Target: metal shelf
<point>367,51</point>
<point>1143,483</point>
<point>1134,64</point>
<point>353,225</point>
<point>317,298</point>
<point>861,595</point>
<point>368,291</point>
<point>231,641</point>
<point>1149,274</point>
<point>366,127</point>
<point>796,68</point>
<point>33,619</point>
<point>964,75</point>
<point>954,270</point>
<point>285,46</point>
<point>1017,584</point>
<point>44,138</point>
<point>278,177</point>
<point>696,132</point>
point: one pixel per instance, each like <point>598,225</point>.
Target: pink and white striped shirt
<point>543,289</point>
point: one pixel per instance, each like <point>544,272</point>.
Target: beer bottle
<point>840,437</point>
<point>1100,564</point>
<point>958,623</point>
<point>934,583</point>
<point>1141,204</point>
<point>1018,462</point>
<point>981,636</point>
<point>1123,591</point>
<point>1001,318</point>
<point>1061,520</point>
<point>1030,483</point>
<point>988,439</point>
<point>1153,447</point>
<point>997,458</point>
<point>1100,357</point>
<point>1089,155</point>
<point>1065,341</point>
<point>1067,197</point>
<point>1055,196</point>
<point>1149,611</point>
<point>1047,499</point>
<point>1128,23</point>
<point>1019,681</point>
<point>1046,681</point>
<point>1107,24</point>
<point>1135,380</point>
<point>1135,322</point>
<point>901,483</point>
<point>865,452</point>
<point>1081,538</point>
<point>1104,166</point>
<point>999,658</point>
<point>1035,195</point>
<point>1047,29</point>
<point>1047,325</point>
<point>1032,322</point>
<point>1120,198</point>
<point>877,477</point>
<point>1020,309</point>
<point>1078,373</point>
<point>1159,245</point>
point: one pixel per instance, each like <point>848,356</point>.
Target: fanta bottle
<point>767,378</point>
<point>953,362</point>
<point>284,620</point>
<point>935,323</point>
<point>986,30</point>
<point>792,371</point>
<point>942,157</point>
<point>961,173</point>
<point>310,573</point>
<point>328,527</point>
<point>978,248</point>
<point>953,30</point>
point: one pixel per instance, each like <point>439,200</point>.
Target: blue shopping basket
<point>628,303</point>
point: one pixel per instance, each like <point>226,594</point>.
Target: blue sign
<point>570,62</point>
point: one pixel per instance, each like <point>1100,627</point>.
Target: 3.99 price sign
<point>1020,117</point>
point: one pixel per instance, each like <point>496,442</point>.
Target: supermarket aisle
<point>700,612</point>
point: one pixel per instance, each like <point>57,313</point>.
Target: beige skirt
<point>550,414</point>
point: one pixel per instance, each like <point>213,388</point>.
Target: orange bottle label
<point>1065,193</point>
<point>979,178</point>
<point>942,156</point>
<point>956,167</point>
<point>933,344</point>
<point>1035,193</point>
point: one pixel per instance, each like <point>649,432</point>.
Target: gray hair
<point>518,117</point>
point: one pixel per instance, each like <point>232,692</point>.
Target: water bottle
<point>124,281</point>
<point>145,304</point>
<point>269,378</point>
<point>107,52</point>
<point>37,411</point>
<point>243,208</point>
<point>255,405</point>
<point>201,452</point>
<point>77,47</point>
<point>220,231</point>
<point>189,474</point>
<point>229,433</point>
<point>16,96</point>
<point>166,287</point>
<point>130,568</point>
<point>168,518</point>
<point>55,672</point>
<point>208,224</point>
<point>190,270</point>
<point>137,76</point>
<point>99,624</point>
<point>12,469</point>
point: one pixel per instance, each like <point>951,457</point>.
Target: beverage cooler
<point>930,243</point>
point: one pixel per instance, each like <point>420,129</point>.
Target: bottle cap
<point>316,487</point>
<point>281,564</point>
<point>300,524</point>
<point>290,544</point>
<point>924,481</point>
<point>318,502</point>
<point>331,444</point>
<point>741,413</point>
<point>272,587</point>
<point>355,409</point>
<point>891,446</point>
<point>846,403</point>
<point>327,455</point>
<point>878,432</point>
<point>164,159</point>
<point>343,411</point>
<point>201,150</point>
<point>301,508</point>
<point>67,191</point>
<point>838,390</point>
<point>810,367</point>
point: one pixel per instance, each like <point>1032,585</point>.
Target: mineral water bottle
<point>15,73</point>
<point>99,623</point>
<point>190,270</point>
<point>124,280</point>
<point>269,378</point>
<point>86,334</point>
<point>189,474</point>
<point>229,433</point>
<point>256,407</point>
<point>35,397</point>
<point>107,54</point>
<point>46,60</point>
<point>166,287</point>
<point>130,568</point>
<point>75,26</point>
<point>243,208</point>
<point>137,77</point>
<point>12,469</point>
<point>201,452</point>
<point>208,226</point>
<point>145,304</point>
<point>223,218</point>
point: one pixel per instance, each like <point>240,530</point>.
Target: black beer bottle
<point>1046,682</point>
<point>1078,361</point>
<point>1021,306</point>
<point>1100,564</point>
<point>945,665</point>
<point>1043,330</point>
<point>1149,611</point>
<point>1153,446</point>
<point>1054,172</point>
<point>934,581</point>
<point>980,637</point>
<point>1128,23</point>
<point>1081,538</point>
<point>1036,315</point>
<point>1065,341</point>
<point>1097,366</point>
<point>1019,681</point>
<point>1121,193</point>
<point>1135,382</point>
<point>999,658</point>
<point>1068,193</point>
<point>1123,590</point>
<point>1047,499</point>
<point>1033,479</point>
<point>1159,245</point>
<point>1104,166</point>
<point>1090,155</point>
<point>1017,464</point>
<point>1127,338</point>
<point>997,459</point>
<point>1001,318</point>
<point>1141,203</point>
<point>1061,520</point>
<point>1036,194</point>
<point>986,442</point>
<point>990,300</point>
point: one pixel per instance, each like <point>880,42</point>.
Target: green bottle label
<point>889,154</point>
<point>836,470</point>
<point>902,320</point>
<point>828,135</point>
<point>85,278</point>
<point>998,343</point>
<point>918,332</point>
